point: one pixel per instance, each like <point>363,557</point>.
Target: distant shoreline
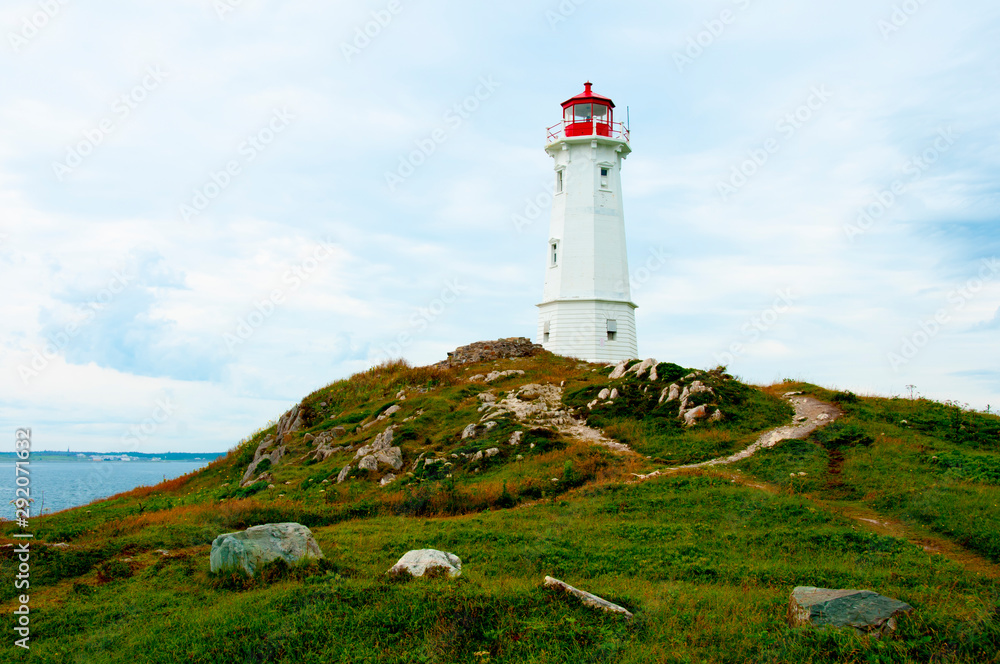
<point>133,456</point>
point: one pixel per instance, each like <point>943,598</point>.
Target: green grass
<point>704,559</point>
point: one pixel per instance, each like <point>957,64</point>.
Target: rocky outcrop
<point>380,453</point>
<point>864,610</point>
<point>488,351</point>
<point>290,423</point>
<point>323,442</point>
<point>249,477</point>
<point>419,562</point>
<point>259,545</point>
<point>588,599</point>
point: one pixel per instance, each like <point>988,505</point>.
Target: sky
<point>211,208</point>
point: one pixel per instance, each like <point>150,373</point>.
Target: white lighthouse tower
<point>587,309</point>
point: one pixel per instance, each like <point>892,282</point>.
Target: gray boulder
<point>417,563</point>
<point>259,545</point>
<point>864,610</point>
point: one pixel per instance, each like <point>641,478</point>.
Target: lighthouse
<point>587,310</point>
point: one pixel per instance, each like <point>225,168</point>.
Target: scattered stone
<point>308,438</point>
<point>692,416</point>
<point>388,479</point>
<point>368,463</point>
<point>492,452</point>
<point>864,610</point>
<point>489,426</point>
<point>516,437</point>
<point>343,473</point>
<point>604,394</point>
<point>619,370</point>
<point>793,394</point>
<point>716,416</point>
<point>614,394</point>
<point>469,432</point>
<point>641,368</point>
<point>259,545</point>
<point>652,374</point>
<point>588,599</point>
<point>417,563</point>
<point>487,397</point>
<point>672,393</point>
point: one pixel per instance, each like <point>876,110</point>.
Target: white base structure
<point>587,310</point>
<point>579,328</point>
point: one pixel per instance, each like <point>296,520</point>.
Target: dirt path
<point>810,414</point>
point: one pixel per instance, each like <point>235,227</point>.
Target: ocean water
<point>60,484</point>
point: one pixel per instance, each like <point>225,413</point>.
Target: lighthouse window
<point>545,333</point>
<point>601,112</point>
<point>604,178</point>
<point>612,330</point>
<point>559,182</point>
<point>583,112</point>
<point>555,254</point>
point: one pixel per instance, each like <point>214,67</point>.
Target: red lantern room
<point>588,114</point>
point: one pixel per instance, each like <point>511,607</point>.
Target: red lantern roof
<point>588,95</point>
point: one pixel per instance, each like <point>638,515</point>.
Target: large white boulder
<point>416,563</point>
<point>259,545</point>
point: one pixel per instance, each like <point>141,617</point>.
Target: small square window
<point>604,178</point>
<point>612,330</point>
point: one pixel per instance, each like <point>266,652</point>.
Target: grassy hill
<point>899,496</point>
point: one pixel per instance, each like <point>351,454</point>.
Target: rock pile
<point>486,351</point>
